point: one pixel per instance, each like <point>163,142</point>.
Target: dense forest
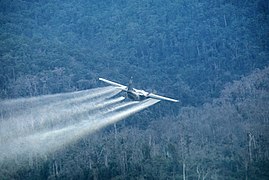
<point>211,55</point>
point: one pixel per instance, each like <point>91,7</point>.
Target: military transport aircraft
<point>136,94</point>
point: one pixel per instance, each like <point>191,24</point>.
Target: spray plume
<point>86,117</point>
<point>17,123</point>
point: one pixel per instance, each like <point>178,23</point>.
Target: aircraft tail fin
<point>130,84</point>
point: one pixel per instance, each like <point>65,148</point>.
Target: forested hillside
<point>212,55</point>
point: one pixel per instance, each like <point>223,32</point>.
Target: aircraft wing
<point>117,85</point>
<point>155,96</point>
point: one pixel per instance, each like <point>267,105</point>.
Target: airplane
<point>136,94</point>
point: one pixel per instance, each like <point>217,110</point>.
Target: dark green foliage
<point>188,50</point>
<point>191,49</point>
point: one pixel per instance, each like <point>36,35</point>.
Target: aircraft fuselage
<point>134,96</point>
<point>137,95</point>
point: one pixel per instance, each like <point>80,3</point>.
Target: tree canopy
<point>212,55</point>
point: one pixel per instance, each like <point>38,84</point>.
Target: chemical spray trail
<point>120,106</point>
<point>51,140</point>
<point>24,106</point>
<point>67,122</point>
<point>41,116</point>
<point>53,97</point>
